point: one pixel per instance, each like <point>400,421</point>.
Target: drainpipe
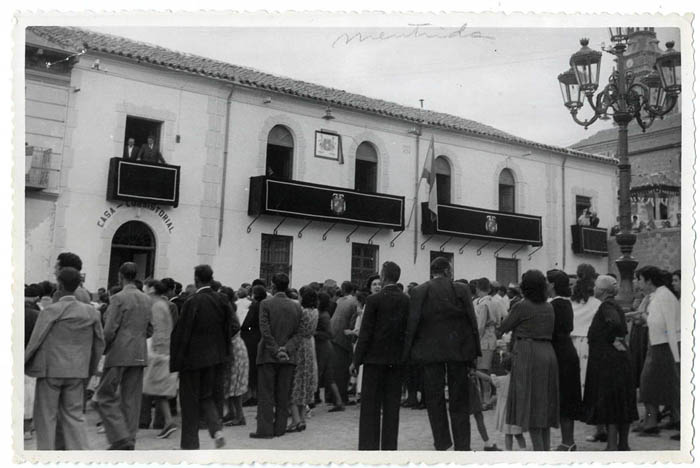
<point>563,214</point>
<point>223,173</point>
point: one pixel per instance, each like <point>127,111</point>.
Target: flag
<point>429,175</point>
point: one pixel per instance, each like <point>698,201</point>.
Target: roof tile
<point>78,39</point>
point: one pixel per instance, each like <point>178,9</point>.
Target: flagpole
<point>418,132</point>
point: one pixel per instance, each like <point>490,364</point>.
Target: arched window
<point>280,150</point>
<point>443,179</point>
<point>366,168</point>
<point>506,191</point>
<point>133,242</point>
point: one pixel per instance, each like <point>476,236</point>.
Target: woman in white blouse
<point>585,305</point>
<point>660,380</point>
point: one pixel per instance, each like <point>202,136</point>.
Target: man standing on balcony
<point>130,150</point>
<point>149,152</point>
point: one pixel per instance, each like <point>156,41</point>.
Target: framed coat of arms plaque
<point>327,145</point>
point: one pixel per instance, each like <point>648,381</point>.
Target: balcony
<point>295,199</point>
<point>589,240</point>
<point>478,223</point>
<point>144,182</point>
<point>38,172</point>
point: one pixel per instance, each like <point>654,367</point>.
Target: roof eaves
<point>198,65</point>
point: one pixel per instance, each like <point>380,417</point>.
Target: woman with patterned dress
<point>609,398</point>
<point>237,376</point>
<point>306,371</point>
<point>567,358</point>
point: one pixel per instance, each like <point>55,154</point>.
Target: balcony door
<point>280,152</point>
<point>133,242</point>
<point>140,129</point>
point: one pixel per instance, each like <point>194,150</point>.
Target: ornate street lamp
<point>623,99</point>
<point>570,90</point>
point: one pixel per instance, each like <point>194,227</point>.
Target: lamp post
<point>623,99</point>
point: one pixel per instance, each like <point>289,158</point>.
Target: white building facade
<point>221,130</point>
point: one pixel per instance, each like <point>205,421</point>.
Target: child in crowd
<point>476,407</point>
<point>502,384</point>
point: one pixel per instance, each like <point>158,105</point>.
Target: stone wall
<point>661,247</point>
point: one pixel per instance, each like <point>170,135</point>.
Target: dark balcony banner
<point>139,181</point>
<point>324,203</point>
<point>589,240</point>
<point>477,223</point>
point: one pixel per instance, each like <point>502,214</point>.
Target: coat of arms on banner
<point>491,224</point>
<point>338,204</point>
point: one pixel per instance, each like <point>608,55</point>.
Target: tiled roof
<point>656,180</point>
<point>608,135</point>
<point>78,39</point>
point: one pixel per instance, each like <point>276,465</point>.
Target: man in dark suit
<point>149,152</point>
<point>279,327</point>
<point>443,336</point>
<point>130,150</point>
<point>63,351</point>
<point>200,347</point>
<point>127,326</point>
<point>379,349</point>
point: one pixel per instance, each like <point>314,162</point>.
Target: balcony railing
<point>131,180</point>
<point>478,223</point>
<point>39,173</point>
<point>296,199</point>
<point>589,240</point>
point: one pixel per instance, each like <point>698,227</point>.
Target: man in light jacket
<point>279,328</point>
<point>127,326</point>
<point>63,351</point>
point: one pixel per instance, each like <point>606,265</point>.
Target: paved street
<point>338,431</point>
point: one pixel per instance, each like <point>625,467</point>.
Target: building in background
<point>655,157</point>
<point>267,174</point>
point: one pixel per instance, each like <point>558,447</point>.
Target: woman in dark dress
<point>609,395</point>
<point>250,332</point>
<point>533,396</point>
<point>639,334</point>
<point>567,357</point>
<point>324,352</point>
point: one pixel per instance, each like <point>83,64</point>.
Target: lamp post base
<point>626,265</point>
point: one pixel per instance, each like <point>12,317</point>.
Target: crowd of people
<point>543,354</point>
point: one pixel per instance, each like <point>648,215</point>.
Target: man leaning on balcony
<point>149,152</point>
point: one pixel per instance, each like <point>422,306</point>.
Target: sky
<point>503,77</point>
